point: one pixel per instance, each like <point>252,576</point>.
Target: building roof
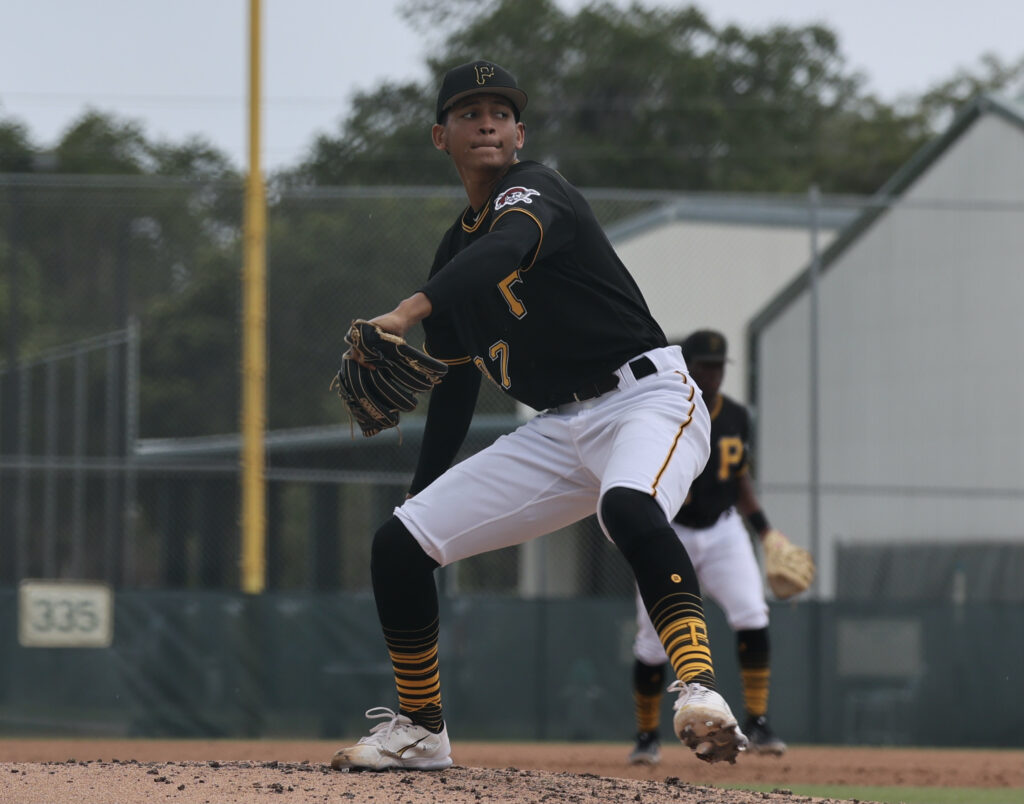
<point>313,454</point>
<point>894,188</point>
<point>750,210</point>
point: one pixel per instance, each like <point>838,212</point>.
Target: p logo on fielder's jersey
<point>513,195</point>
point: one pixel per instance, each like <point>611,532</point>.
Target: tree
<point>944,97</point>
<point>101,144</point>
<point>638,97</point>
<point>145,234</point>
<point>16,152</point>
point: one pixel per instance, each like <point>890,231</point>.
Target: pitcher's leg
<point>526,484</point>
<point>637,524</point>
<point>406,596</point>
<point>520,487</point>
<point>403,585</point>
<point>665,578</point>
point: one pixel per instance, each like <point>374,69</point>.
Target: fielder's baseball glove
<point>380,376</point>
<point>788,568</point>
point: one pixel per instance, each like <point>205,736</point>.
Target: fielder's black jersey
<point>533,293</point>
<point>716,488</point>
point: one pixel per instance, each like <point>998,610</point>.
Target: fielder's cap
<point>706,346</point>
<point>475,77</point>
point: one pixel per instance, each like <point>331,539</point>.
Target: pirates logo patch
<point>513,195</point>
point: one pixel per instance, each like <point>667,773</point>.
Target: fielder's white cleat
<point>704,722</point>
<point>396,743</point>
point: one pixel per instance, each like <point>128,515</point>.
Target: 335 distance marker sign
<point>65,614</point>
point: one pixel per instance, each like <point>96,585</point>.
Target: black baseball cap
<point>704,345</point>
<point>478,76</point>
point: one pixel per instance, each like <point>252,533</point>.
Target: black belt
<point>641,367</point>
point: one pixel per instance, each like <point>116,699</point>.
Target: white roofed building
<point>905,431</point>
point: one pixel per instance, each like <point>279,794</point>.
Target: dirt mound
<point>128,782</point>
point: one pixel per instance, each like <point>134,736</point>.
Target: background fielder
<point>710,527</point>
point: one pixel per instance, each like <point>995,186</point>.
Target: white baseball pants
<point>650,435</point>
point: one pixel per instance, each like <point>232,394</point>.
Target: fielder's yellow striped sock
<point>648,683</point>
<point>648,711</point>
<point>754,652</point>
<point>755,690</point>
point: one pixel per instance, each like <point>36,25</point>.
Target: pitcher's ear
<point>439,138</point>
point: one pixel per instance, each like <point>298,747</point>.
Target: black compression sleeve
<point>479,267</point>
<point>448,419</point>
<point>758,521</point>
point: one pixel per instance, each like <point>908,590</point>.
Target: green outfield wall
<point>191,664</point>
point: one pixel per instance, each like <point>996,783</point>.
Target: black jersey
<point>533,293</point>
<point>716,488</point>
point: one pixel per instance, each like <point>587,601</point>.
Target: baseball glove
<point>380,376</point>
<point>788,568</point>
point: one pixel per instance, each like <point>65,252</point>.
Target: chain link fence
<point>119,384</point>
<point>119,400</point>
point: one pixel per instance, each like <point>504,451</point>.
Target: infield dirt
<point>33,771</point>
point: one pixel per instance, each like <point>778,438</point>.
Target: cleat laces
<point>688,693</point>
<point>380,733</point>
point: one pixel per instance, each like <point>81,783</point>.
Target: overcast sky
<point>179,66</point>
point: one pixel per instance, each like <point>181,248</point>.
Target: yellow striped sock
<point>679,620</point>
<point>755,689</point>
<point>417,674</point>
<point>648,711</point>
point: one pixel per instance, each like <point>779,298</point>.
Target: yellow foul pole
<point>254,338</point>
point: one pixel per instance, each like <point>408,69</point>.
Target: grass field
<point>902,795</point>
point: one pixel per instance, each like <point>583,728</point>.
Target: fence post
<point>9,398</point>
<point>131,435</point>
<point>813,435</point>
<point>50,478</point>
<point>814,480</point>
<point>21,501</point>
<point>80,397</point>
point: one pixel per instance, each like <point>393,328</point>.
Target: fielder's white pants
<point>728,573</point>
<point>650,435</point>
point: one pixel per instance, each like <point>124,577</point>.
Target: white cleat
<point>704,722</point>
<point>396,743</point>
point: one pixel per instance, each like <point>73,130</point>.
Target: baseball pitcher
<point>527,292</point>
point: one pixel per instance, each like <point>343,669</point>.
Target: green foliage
<point>643,98</point>
<point>405,156</point>
<point>995,76</point>
<point>101,144</point>
<point>191,354</point>
<point>15,149</point>
<point>195,158</point>
<point>632,97</point>
<point>147,236</point>
<point>329,264</point>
